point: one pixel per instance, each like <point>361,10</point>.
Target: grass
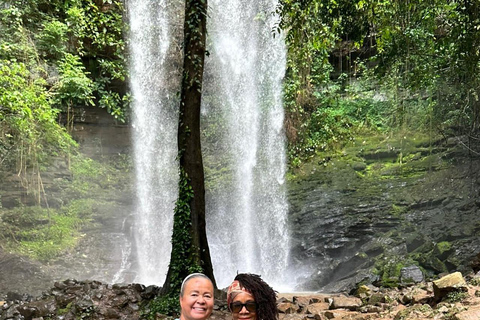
<point>41,233</point>
<point>45,233</point>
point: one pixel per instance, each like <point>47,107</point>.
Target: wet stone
<point>411,274</point>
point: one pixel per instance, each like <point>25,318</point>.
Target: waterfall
<point>243,139</point>
<point>244,142</point>
<point>154,82</point>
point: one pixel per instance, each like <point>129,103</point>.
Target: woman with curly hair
<point>249,297</point>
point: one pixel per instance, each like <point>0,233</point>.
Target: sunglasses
<point>236,307</point>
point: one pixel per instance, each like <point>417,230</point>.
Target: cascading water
<point>244,142</point>
<point>154,83</point>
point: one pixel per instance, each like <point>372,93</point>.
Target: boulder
<point>414,312</point>
<point>472,314</point>
<point>421,296</point>
<point>304,301</point>
<point>287,307</point>
<point>290,317</point>
<point>344,315</point>
<point>447,284</point>
<point>365,291</point>
<point>359,166</point>
<point>14,296</point>
<point>376,299</point>
<point>318,307</point>
<point>279,300</point>
<point>411,274</point>
<point>37,309</point>
<point>343,302</point>
<point>371,309</point>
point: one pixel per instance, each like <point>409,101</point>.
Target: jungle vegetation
<point>362,66</point>
<point>381,65</point>
<point>352,65</point>
<point>55,58</point>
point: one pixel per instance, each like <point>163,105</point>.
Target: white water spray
<point>247,207</point>
<point>154,83</point>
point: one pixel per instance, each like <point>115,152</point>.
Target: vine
<point>184,258</point>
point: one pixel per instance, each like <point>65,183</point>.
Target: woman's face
<point>246,302</point>
<point>197,300</point>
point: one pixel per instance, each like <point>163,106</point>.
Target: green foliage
<point>50,54</point>
<point>416,64</point>
<point>92,177</point>
<point>475,282</point>
<point>456,296</point>
<point>42,233</point>
<point>338,116</point>
<point>390,274</point>
<point>55,56</point>
<point>165,304</point>
<point>388,268</point>
<point>27,120</point>
<point>184,260</point>
<point>74,87</point>
<point>398,211</point>
<point>16,42</point>
<point>98,31</point>
<point>61,33</point>
<point>52,39</point>
<point>443,246</point>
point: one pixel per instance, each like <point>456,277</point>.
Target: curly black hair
<point>265,296</point>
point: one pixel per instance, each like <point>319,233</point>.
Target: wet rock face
<point>410,207</point>
<point>73,299</point>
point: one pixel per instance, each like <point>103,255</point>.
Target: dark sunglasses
<point>236,307</point>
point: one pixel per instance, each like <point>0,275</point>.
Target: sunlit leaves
<point>52,40</point>
<point>26,117</point>
<point>74,86</point>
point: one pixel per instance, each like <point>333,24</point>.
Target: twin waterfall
<point>243,141</point>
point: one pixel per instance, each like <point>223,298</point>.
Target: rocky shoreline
<point>450,298</point>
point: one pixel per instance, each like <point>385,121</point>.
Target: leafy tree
<point>309,39</point>
<point>52,39</point>
<point>91,30</point>
<point>74,87</point>
<point>30,132</point>
<point>416,62</point>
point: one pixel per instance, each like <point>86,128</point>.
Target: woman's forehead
<point>244,296</point>
<point>197,284</point>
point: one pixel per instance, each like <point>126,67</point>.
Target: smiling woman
<point>249,297</point>
<point>196,297</point>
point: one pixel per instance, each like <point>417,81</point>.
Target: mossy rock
<point>443,249</point>
<point>414,241</point>
<point>359,166</point>
<point>433,263</point>
<point>414,311</point>
<point>398,210</point>
<point>389,271</point>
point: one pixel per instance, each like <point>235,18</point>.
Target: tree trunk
<point>187,257</point>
